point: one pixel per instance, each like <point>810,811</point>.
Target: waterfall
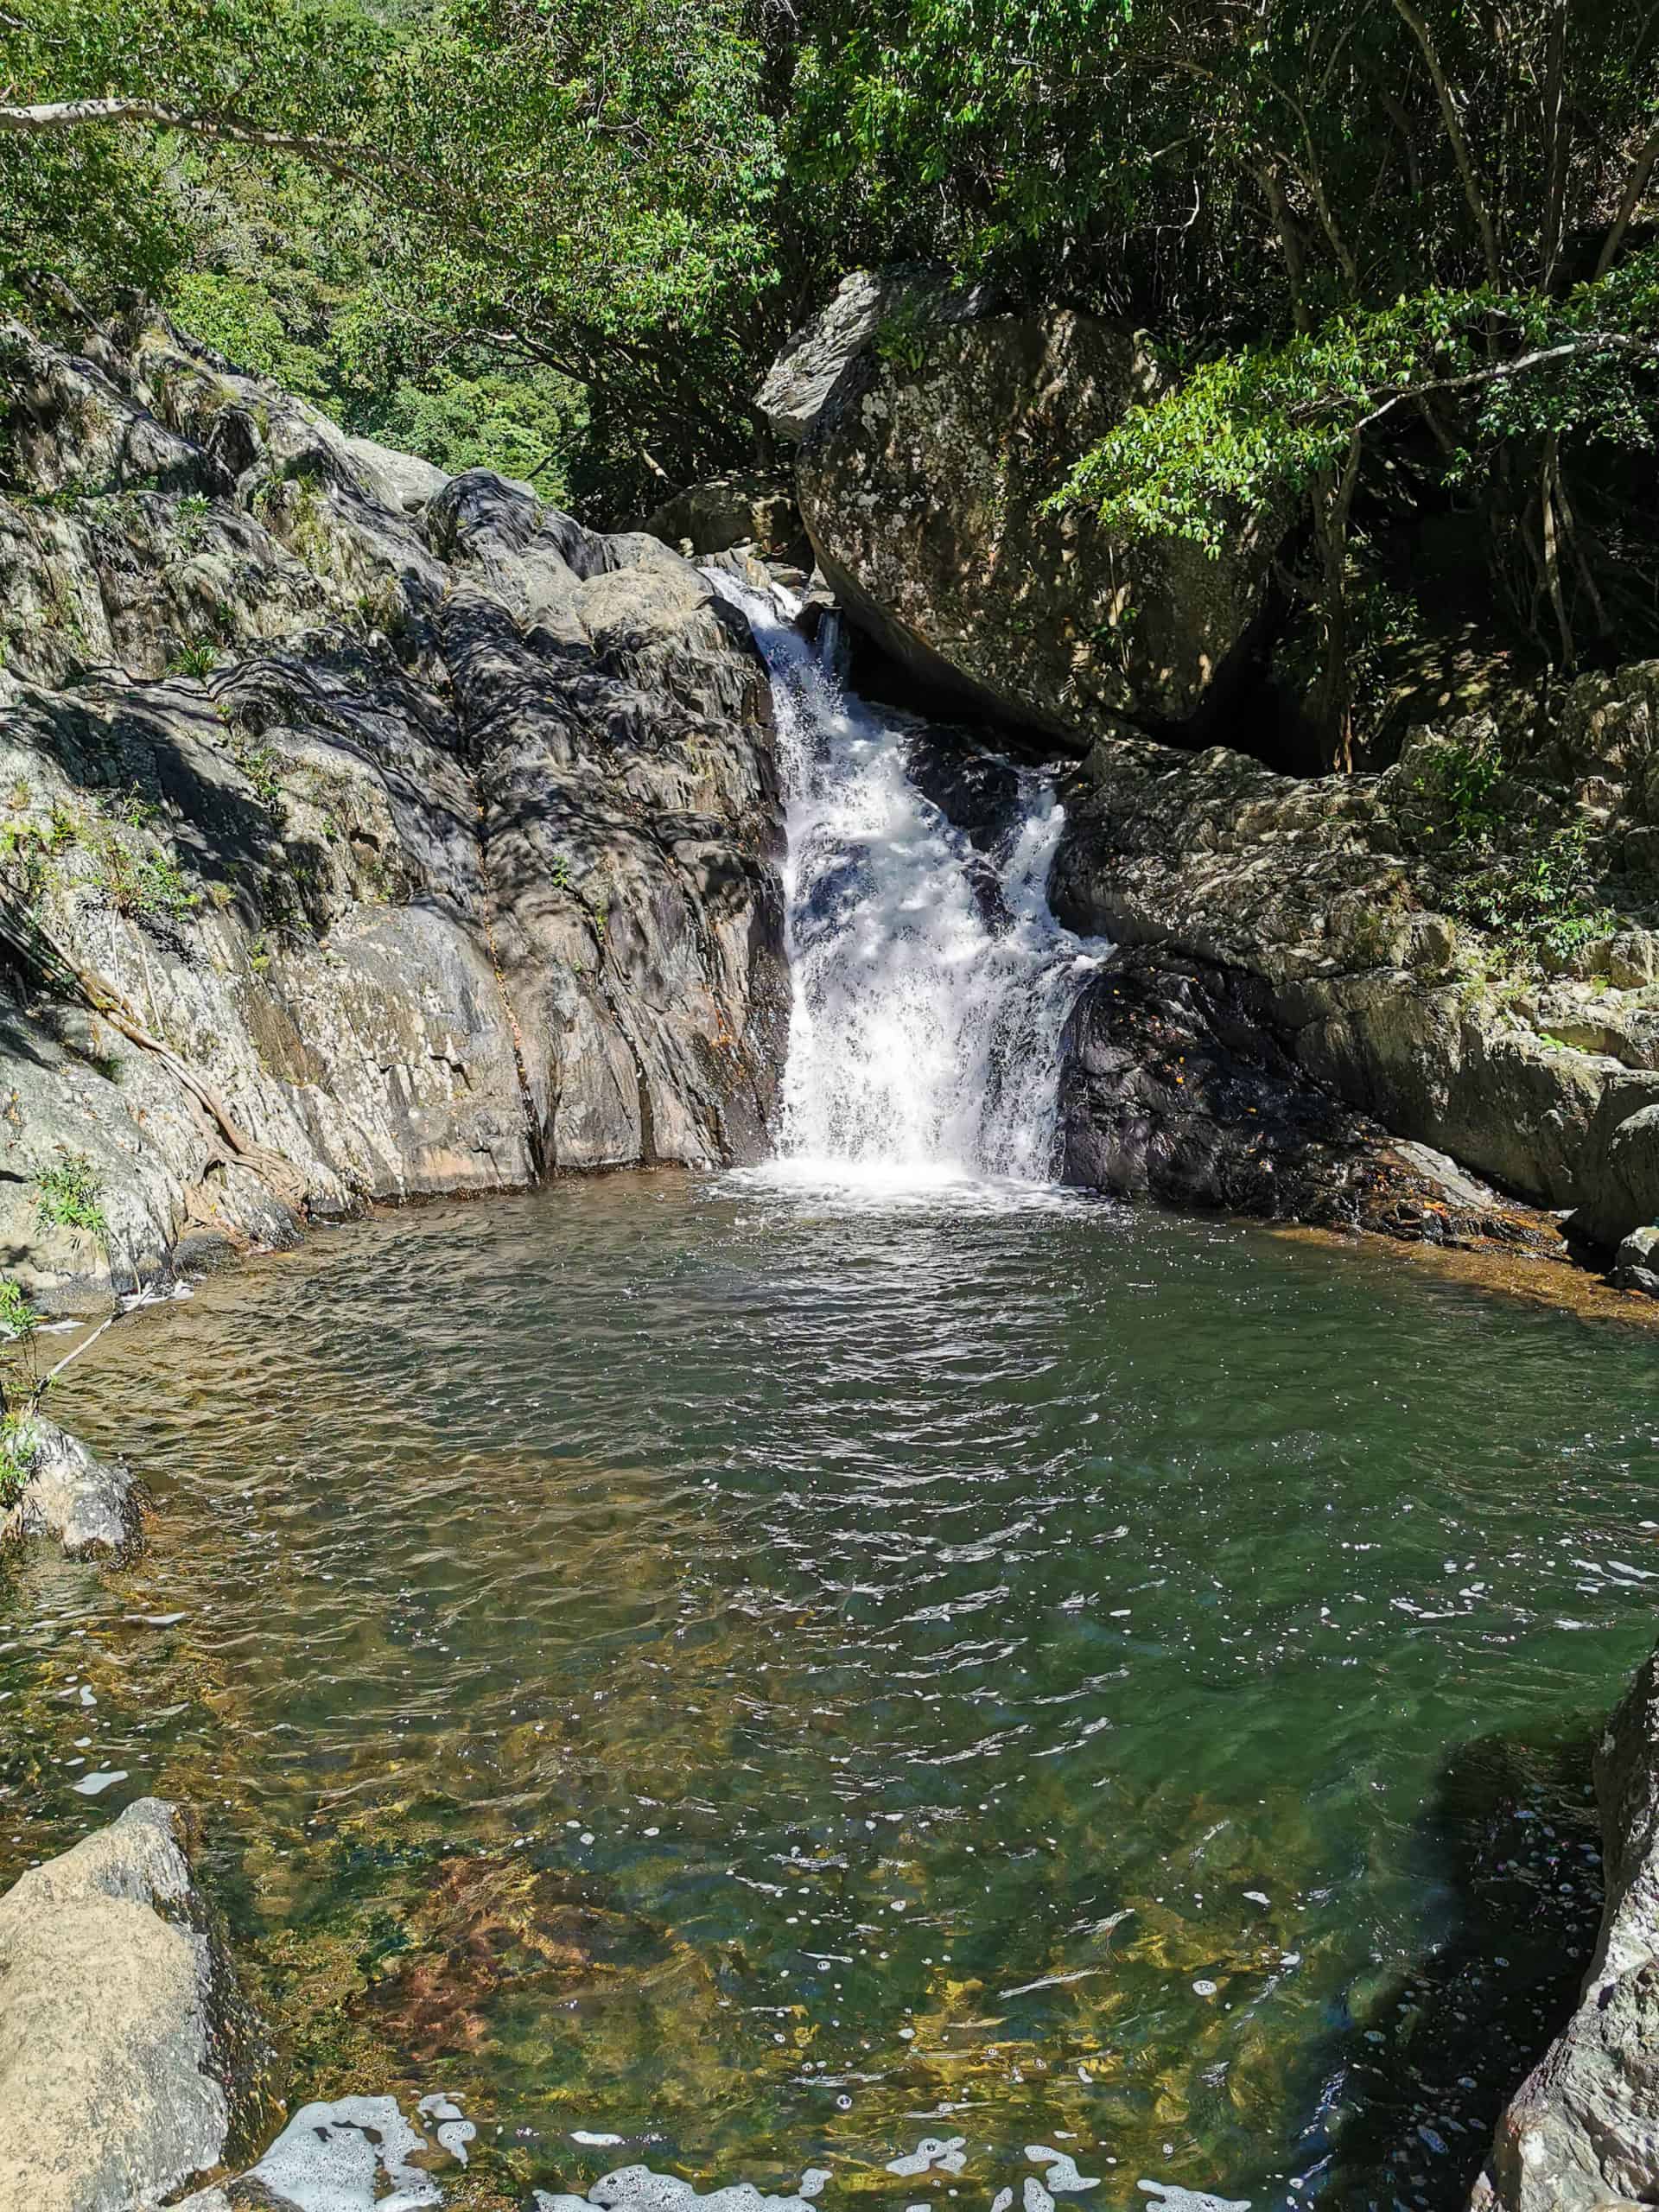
<point>931,980</point>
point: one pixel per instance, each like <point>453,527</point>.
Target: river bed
<point>775,1673</point>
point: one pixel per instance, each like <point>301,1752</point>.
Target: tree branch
<point>1593,341</point>
<point>343,157</point>
<point>1412,16</point>
<point>1641,170</point>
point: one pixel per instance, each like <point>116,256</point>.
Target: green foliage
<point>70,1194</point>
<point>1240,432</point>
<point>197,660</point>
<point>586,192</point>
<point>19,1318</point>
<point>1537,890</point>
<point>18,1451</point>
<point>140,884</point>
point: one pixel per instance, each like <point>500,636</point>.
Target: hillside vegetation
<point>1404,252</point>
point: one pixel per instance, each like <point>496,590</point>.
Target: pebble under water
<point>971,1700</point>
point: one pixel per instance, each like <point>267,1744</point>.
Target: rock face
<point>923,484</point>
<point>122,2048</point>
<point>1582,2134</point>
<point>816,368</point>
<point>366,833</point>
<point>94,1510</point>
<point>748,508</point>
<point>1331,894</point>
<point>1174,1087</point>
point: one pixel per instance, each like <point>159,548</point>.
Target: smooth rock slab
<point>119,2073</point>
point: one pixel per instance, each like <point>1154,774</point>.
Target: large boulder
<point>1582,2131</point>
<point>924,484</point>
<point>124,2053</point>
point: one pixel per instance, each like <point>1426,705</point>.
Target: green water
<point>771,1677</point>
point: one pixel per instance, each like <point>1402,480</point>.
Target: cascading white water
<point>928,998</point>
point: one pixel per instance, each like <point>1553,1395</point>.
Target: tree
<point>1342,207</point>
<point>580,187</point>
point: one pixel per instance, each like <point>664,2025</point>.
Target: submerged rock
<point>93,1509</point>
<point>1174,1087</point>
<point>123,2048</point>
<point>1582,2133</point>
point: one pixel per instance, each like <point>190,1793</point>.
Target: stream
<point>873,1669</point>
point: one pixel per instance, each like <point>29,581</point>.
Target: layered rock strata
<point>363,833</point>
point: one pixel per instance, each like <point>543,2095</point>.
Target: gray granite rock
<point>1332,891</point>
<point>121,2039</point>
<point>1636,1263</point>
<point>1582,2131</point>
<point>355,852</point>
<point>95,1510</point>
<point>813,371</point>
<point>925,486</point>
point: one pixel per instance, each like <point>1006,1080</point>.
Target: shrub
<point>70,1194</point>
<point>18,1449</point>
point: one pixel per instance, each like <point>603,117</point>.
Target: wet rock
<point>976,790</point>
<point>122,2045</point>
<point>1174,1087</point>
<point>1636,1263</point>
<point>924,486</point>
<point>94,1509</point>
<point>1582,2134</point>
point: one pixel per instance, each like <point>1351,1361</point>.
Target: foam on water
<point>638,2189</point>
<point>926,1019</point>
<point>338,2157</point>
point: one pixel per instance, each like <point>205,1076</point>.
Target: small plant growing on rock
<point>192,512</point>
<point>139,884</point>
<point>70,1196</point>
<point>195,660</point>
<point>17,1450</point>
<point>18,1322</point>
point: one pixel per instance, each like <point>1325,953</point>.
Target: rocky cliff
<point>363,833</point>
<point>1461,948</point>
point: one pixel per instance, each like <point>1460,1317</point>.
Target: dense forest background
<point>1403,251</point>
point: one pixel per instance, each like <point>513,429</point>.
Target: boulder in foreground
<point>1582,2133</point>
<point>94,1509</point>
<point>122,2045</point>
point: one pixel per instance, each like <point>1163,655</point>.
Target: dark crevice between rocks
<point>1410,2086</point>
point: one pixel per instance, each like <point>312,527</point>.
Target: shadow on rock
<point>1429,2058</point>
